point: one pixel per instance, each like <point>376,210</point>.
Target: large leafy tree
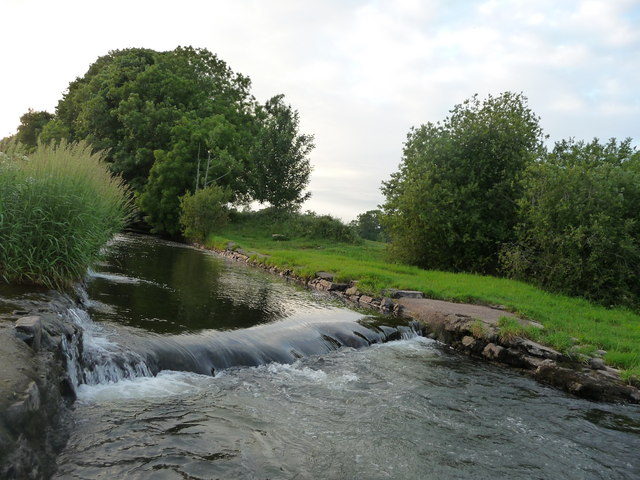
<point>281,164</point>
<point>130,100</point>
<point>452,203</point>
<point>178,121</point>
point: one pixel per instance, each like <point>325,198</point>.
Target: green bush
<point>580,223</point>
<point>308,225</point>
<point>451,205</point>
<point>204,212</point>
<point>58,207</point>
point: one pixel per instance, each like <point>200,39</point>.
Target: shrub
<point>204,212</point>
<point>311,225</point>
<point>58,207</point>
<point>580,225</point>
<point>451,205</point>
<point>308,225</point>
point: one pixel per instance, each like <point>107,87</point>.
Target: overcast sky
<point>360,73</point>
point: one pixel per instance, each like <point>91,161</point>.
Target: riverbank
<point>35,393</point>
<point>490,332</point>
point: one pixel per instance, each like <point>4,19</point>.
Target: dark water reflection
<point>165,288</point>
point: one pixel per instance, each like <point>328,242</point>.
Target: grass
<point>568,321</point>
<point>58,206</point>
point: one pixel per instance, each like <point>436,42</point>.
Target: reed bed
<point>59,206</point>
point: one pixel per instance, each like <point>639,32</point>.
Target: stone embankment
<point>35,393</point>
<point>473,330</point>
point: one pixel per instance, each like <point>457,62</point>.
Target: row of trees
<point>479,192</point>
<point>177,122</point>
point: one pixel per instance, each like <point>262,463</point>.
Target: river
<point>199,368</point>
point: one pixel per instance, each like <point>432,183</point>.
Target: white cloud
<point>361,73</point>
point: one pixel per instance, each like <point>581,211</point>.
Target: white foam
<point>166,383</point>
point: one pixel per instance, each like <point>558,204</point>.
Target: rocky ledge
<point>473,329</point>
<point>35,393</point>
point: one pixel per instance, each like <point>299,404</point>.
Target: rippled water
<point>407,409</point>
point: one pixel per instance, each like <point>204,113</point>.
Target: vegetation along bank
<point>563,341</point>
<point>480,209</point>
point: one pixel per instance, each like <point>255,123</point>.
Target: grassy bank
<point>572,325</point>
<point>58,206</point>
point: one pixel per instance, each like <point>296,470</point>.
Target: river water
<point>199,368</point>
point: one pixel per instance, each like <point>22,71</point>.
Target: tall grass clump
<point>59,205</point>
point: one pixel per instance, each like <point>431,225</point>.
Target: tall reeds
<point>59,205</point>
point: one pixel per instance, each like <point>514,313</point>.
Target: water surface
<point>207,369</point>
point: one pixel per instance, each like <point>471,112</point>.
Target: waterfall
<point>101,360</point>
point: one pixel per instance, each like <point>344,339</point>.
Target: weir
<point>103,360</point>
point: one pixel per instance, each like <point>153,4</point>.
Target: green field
<point>572,325</point>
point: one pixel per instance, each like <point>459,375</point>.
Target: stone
<point>600,353</point>
<point>597,364</point>
<point>338,287</point>
<point>395,293</point>
<point>386,304</point>
<point>325,276</point>
<point>538,350</point>
<point>30,402</point>
<point>352,291</point>
<point>278,237</point>
<point>493,351</point>
<point>29,329</point>
<point>468,341</point>
<point>366,299</point>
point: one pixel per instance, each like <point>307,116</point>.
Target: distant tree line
<point>175,123</point>
<point>480,192</point>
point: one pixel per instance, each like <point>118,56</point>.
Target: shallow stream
<point>199,368</point>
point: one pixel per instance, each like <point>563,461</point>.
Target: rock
<point>325,276</point>
<point>366,299</point>
<point>493,351</point>
<point>352,291</point>
<point>278,237</point>
<point>600,353</point>
<point>468,341</point>
<point>597,364</point>
<point>395,293</point>
<point>18,411</point>
<point>386,304</point>
<point>537,350</point>
<point>29,330</point>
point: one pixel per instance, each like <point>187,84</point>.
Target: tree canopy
<point>452,203</point>
<point>579,228</point>
<point>179,121</point>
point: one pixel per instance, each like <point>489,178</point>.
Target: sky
<point>361,73</point>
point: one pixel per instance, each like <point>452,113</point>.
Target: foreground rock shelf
<point>35,393</point>
<point>473,330</point>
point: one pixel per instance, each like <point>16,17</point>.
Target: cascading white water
<point>102,360</point>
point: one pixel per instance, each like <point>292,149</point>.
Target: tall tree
<point>174,121</point>
<point>31,125</point>
<point>452,203</point>
<point>281,157</point>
